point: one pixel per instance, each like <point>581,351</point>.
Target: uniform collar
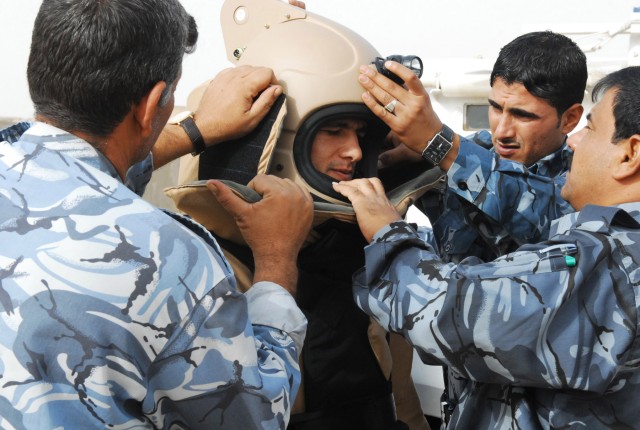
<point>63,142</point>
<point>599,219</point>
<point>554,163</point>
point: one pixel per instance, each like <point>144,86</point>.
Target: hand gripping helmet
<point>317,62</point>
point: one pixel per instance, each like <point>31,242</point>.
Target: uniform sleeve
<point>530,318</point>
<point>232,361</point>
<point>271,306</point>
<point>522,202</point>
<point>224,369</point>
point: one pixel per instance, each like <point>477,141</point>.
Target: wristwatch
<point>439,146</point>
<point>185,120</point>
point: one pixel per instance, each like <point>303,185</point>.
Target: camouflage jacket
<point>489,206</point>
<point>116,314</point>
<point>544,337</point>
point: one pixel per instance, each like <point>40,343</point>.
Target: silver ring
<point>391,106</point>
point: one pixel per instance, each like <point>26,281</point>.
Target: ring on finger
<point>391,106</point>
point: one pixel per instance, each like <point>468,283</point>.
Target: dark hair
<point>92,60</point>
<point>551,66</point>
<point>626,101</point>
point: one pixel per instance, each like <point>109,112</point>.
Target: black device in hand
<point>411,62</point>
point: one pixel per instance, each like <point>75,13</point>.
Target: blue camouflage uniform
<point>488,206</point>
<point>13,132</point>
<point>116,314</point>
<point>544,337</point>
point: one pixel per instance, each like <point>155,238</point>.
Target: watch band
<point>439,146</point>
<point>189,125</point>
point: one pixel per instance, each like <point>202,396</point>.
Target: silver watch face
<point>437,149</point>
<point>180,116</point>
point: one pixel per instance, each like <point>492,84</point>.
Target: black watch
<point>185,120</point>
<point>439,146</point>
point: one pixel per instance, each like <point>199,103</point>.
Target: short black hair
<point>551,66</point>
<point>626,101</point>
<point>92,60</point>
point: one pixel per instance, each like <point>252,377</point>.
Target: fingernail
<point>212,186</point>
<point>366,70</point>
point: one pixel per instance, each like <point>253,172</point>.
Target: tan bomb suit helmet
<point>317,62</point>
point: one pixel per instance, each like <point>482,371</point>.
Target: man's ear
<point>629,160</point>
<point>571,117</point>
<point>145,112</point>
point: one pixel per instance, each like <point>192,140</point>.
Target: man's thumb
<point>225,196</point>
